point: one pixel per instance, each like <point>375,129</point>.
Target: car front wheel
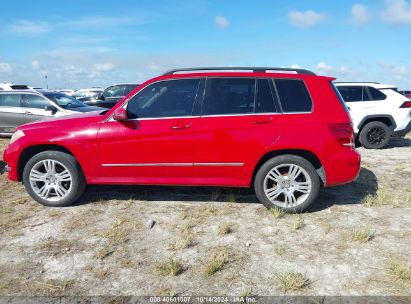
<point>288,182</point>
<point>54,178</point>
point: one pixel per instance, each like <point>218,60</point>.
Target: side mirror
<point>51,108</point>
<point>120,114</point>
<point>101,96</point>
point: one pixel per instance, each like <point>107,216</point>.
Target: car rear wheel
<point>54,178</point>
<point>288,182</point>
<point>375,135</point>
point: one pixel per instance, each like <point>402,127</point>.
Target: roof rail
<point>357,82</point>
<point>254,69</point>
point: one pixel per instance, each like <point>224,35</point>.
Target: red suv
<point>285,132</point>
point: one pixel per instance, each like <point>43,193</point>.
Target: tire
<point>308,180</point>
<point>375,135</point>
<point>55,188</point>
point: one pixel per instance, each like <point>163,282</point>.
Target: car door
<point>239,120</point>
<point>34,107</point>
<point>355,97</point>
<point>11,113</point>
<point>155,144</point>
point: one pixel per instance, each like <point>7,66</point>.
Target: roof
<point>376,85</point>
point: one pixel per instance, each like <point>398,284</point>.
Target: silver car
<point>18,107</point>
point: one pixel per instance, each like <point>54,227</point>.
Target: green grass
<point>297,223</point>
<point>362,234</point>
<point>399,271</point>
<point>277,212</point>
<point>224,229</point>
<point>216,262</point>
<point>292,281</point>
<point>170,268</point>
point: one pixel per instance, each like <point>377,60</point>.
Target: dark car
<point>111,95</point>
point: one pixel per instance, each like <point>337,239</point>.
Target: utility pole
<point>47,85</point>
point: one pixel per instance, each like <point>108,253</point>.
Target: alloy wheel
<point>287,185</point>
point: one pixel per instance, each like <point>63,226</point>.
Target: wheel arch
<point>306,154</point>
<point>384,118</point>
<point>30,151</point>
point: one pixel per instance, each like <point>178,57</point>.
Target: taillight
<point>406,104</point>
<point>344,133</point>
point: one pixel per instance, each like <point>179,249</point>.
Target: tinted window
<point>229,96</point>
<point>35,101</point>
<point>128,88</point>
<point>264,102</point>
<point>64,100</point>
<point>293,95</point>
<point>164,99</point>
<point>9,100</point>
<point>350,94</point>
<point>376,94</point>
<point>114,91</point>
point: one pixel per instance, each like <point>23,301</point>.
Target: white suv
<point>377,111</point>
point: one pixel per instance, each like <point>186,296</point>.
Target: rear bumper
<point>343,168</point>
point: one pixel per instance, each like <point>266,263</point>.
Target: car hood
<point>86,109</point>
<point>67,120</point>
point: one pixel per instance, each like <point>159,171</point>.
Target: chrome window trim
<point>175,165</point>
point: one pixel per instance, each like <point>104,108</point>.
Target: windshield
<point>64,101</point>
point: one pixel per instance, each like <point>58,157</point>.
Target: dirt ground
<point>355,240</point>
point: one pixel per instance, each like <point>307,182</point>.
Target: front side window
<point>10,100</point>
<point>35,102</point>
<point>229,96</point>
<point>169,98</point>
<point>294,96</point>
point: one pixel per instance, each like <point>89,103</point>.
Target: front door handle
<point>181,126</point>
<point>262,121</point>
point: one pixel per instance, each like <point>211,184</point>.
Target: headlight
<point>18,134</point>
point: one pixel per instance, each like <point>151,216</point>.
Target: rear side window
<point>264,102</point>
<point>353,93</point>
<point>376,94</point>
<point>294,96</point>
<point>229,96</point>
<point>9,100</point>
<point>169,98</point>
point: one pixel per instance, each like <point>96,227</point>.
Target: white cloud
<point>104,67</point>
<point>307,19</point>
<point>359,15</point>
<point>35,64</point>
<point>5,68</point>
<point>101,22</point>
<point>397,12</point>
<point>30,28</point>
<point>295,66</point>
<point>323,68</point>
<point>222,22</point>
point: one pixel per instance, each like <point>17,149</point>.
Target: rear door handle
<point>181,126</point>
<point>262,121</point>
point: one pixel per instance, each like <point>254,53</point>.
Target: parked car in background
<point>378,111</point>
<point>12,86</point>
<point>111,95</point>
<point>18,107</point>
<point>68,92</point>
<point>406,93</point>
<point>268,128</point>
<point>82,93</point>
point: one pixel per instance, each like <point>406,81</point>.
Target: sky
<point>84,43</point>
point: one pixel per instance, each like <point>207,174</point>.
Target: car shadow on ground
<point>352,193</point>
<point>398,142</point>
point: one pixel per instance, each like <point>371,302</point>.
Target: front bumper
<point>3,167</point>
